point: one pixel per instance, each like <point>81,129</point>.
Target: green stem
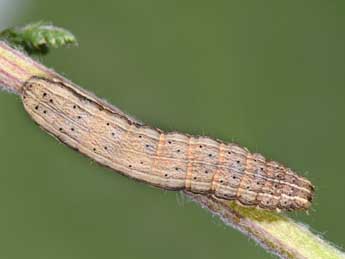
<point>275,232</point>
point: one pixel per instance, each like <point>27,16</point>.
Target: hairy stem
<point>273,231</point>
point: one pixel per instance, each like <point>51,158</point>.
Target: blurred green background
<point>267,74</point>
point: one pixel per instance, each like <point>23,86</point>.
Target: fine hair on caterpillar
<point>169,160</point>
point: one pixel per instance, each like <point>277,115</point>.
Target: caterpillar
<point>168,160</point>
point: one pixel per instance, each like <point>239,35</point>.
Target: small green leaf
<point>38,37</point>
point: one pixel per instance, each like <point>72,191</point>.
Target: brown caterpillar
<point>168,160</point>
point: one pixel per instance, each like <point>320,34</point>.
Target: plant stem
<point>16,68</point>
<point>275,232</point>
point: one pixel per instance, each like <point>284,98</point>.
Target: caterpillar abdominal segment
<point>169,160</point>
